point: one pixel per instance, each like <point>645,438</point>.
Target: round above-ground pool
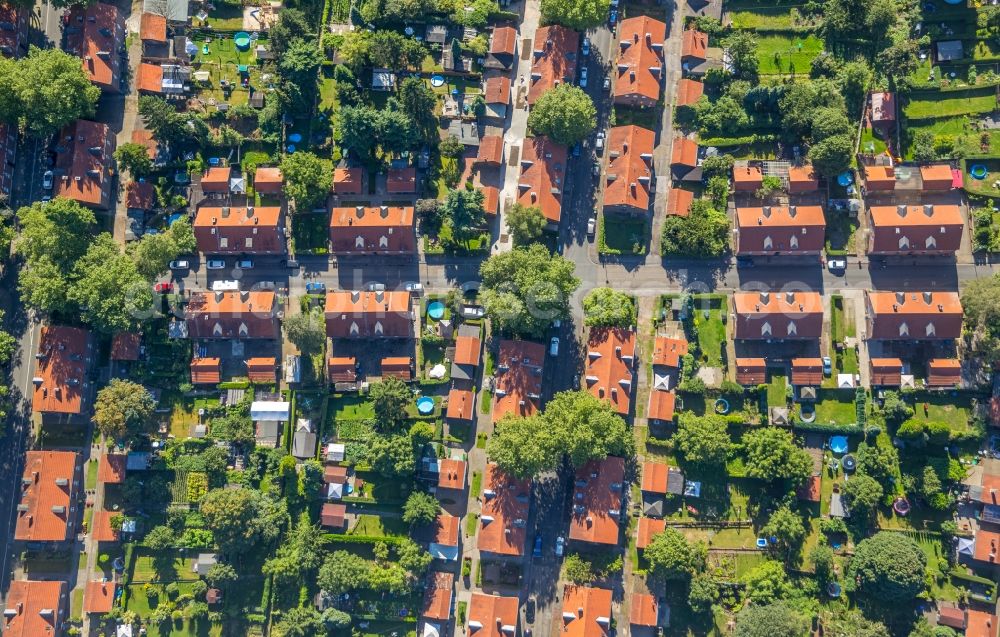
<point>425,405</point>
<point>845,179</point>
<point>295,138</point>
<point>435,310</point>
<point>838,444</point>
<point>901,506</point>
<point>849,463</point>
<point>242,40</point>
<point>761,543</point>
<point>978,171</point>
<point>437,80</point>
<point>722,406</point>
<point>833,589</point>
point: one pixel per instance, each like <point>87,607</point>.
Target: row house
<point>640,62</point>
<point>240,230</point>
<point>437,606</point>
<point>610,366</point>
<point>50,485</point>
<point>503,518</point>
<point>96,34</point>
<point>233,315</point>
<point>658,480</point>
<point>153,35</point>
<point>348,180</point>
<point>369,314</point>
<point>373,230</point>
<point>598,497</point>
<point>503,48</point>
<point>464,367</point>
<point>62,364</point>
<point>911,230</point>
<point>518,379</point>
<point>630,170</point>
<point>83,163</point>
<point>496,92</point>
<point>162,79</point>
<point>35,608</point>
<point>780,231</point>
<point>490,153</point>
<point>543,175</point>
<point>913,316</point>
<point>684,162</point>
<point>778,316</point>
<point>554,60</point>
<point>802,180</point>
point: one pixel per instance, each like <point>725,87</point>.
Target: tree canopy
<point>565,114</point>
<point>421,508</point>
<point>44,91</point>
<point>607,307</point>
<point>672,557</point>
<point>113,296</point>
<point>525,223</point>
<point>771,620</point>
<point>307,331</point>
<point>703,440</point>
<point>389,397</point>
<point>241,518</point>
<point>771,454</point>
<point>308,179</point>
<point>524,290</point>
<point>123,408</point>
<point>887,568</point>
<point>703,233</point>
<point>575,14</point>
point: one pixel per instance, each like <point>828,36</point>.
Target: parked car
<point>599,144</point>
<point>827,366</point>
<point>315,287</point>
<point>215,264</point>
<point>554,346</point>
<point>245,264</point>
<point>577,149</point>
<point>591,226</point>
<point>560,543</point>
<point>744,262</point>
<point>537,551</point>
<point>613,17</point>
<point>837,265</point>
<point>163,287</point>
<point>586,45</point>
<point>597,169</point>
<point>47,180</point>
<point>415,288</point>
<point>607,83</point>
<point>180,264</point>
<point>583,77</point>
<point>375,287</point>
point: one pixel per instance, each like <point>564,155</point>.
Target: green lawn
<point>755,18</point>
<point>164,566</point>
<point>351,407</point>
<point>776,392</point>
<point>378,525</point>
<point>836,407</point>
<point>624,235</point>
<point>787,54</point>
<point>92,466</point>
<point>707,315</point>
<point>943,407</point>
<point>310,233</point>
<point>973,101</point>
<point>871,143</point>
<point>840,230</point>
<point>143,606</point>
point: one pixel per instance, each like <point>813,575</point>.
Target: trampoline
<point>901,506</point>
<point>722,406</point>
<point>838,444</point>
<point>425,405</point>
<point>978,171</point>
<point>242,40</point>
<point>845,179</point>
<point>435,310</point>
<point>437,80</point>
<point>849,463</point>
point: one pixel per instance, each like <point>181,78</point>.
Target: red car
<point>163,288</point>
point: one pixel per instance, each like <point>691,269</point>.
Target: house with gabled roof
<point>46,511</point>
<point>503,516</point>
<point>373,230</point>
<point>598,496</point>
<point>640,61</point>
<point>913,316</point>
<point>610,366</point>
<point>543,176</point>
<point>778,315</point>
<point>492,616</point>
<point>586,611</point>
<point>554,59</point>
<point>96,33</point>
<point>82,169</point>
<point>518,379</point>
<point>241,314</point>
<point>629,175</point>
<point>780,230</point>
<point>240,230</point>
<point>907,230</point>
<point>369,314</point>
<point>61,384</point>
<point>35,608</point>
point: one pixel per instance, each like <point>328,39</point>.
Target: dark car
<point>315,287</point>
<point>537,551</point>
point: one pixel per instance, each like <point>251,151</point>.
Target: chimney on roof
<point>792,211</point>
<point>765,297</point>
<point>225,212</point>
<point>767,211</point>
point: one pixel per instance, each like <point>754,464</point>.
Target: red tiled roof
<point>144,138</point>
<point>880,177</point>
<point>802,179</point>
<point>543,176</point>
<point>150,78</point>
<point>333,474</point>
<point>886,372</point>
<point>348,181</point>
<point>490,614</point>
<point>679,202</point>
<point>375,229</point>
<point>490,150</point>
<point>916,229</point>
<point>99,34</point>
<point>504,513</point>
<point>981,624</point>
<point>778,315</point>
<point>461,404</point>
<point>586,612</point>
<point>654,477</point>
<point>668,351</point>
<point>685,153</point>
<point>807,371</point>
<point>504,41</point>
<point>811,491</point>
<point>125,346</point>
<point>451,474</point>
<point>630,168</point>
<point>553,60</point>
<point>100,527</point>
<point>791,230</point>
<point>491,199</point>
<point>648,527</point>
<point>262,369</point>
<point>747,178</point>
<point>597,501</point>
<point>33,598</point>
<point>206,371</point>
<point>216,179</point>
<point>987,546</point>
<point>990,492</point>
<point>694,44</point>
<point>496,90</point>
<point>751,371</point>
<point>140,195</point>
<point>111,468</point>
<point>608,372</point>
<point>268,179</point>
<point>397,367</point>
<point>363,314</point>
<point>661,405</point>
<point>48,484</point>
<point>645,610</point>
<point>640,61</point>
<point>936,177</point>
<point>153,28</point>
<point>61,367</point>
<point>445,530</point>
<point>239,230</point>
<point>333,515</point>
<point>99,597</point>
<point>468,350</point>
<point>689,92</point>
<point>83,160</point>
<point>342,369</point>
<point>402,180</point>
<point>437,596</point>
<point>914,315</point>
<point>518,378</point>
<point>245,314</point>
<point>944,372</point>
<point>953,617</point>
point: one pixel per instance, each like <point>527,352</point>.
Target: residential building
<point>747,178</point>
<point>153,33</point>
<point>34,609</point>
<point>597,502</point>
<point>543,171</point>
<point>62,365</point>
<point>451,474</point>
<point>357,314</point>
<point>879,178</point>
<point>491,200</point>
<point>268,180</point>
<point>802,179</point>
<point>503,517</point>
<point>586,612</point>
<point>348,181</point>
<point>83,161</point>
<point>913,316</point>
<point>645,610</point>
<point>490,151</point>
<point>780,231</point>
<point>694,47</point>
<point>442,537</point>
<point>980,623</point>
<point>206,370</point>
<point>658,479</point>
<point>503,47</point>
<point>402,181</point>
<point>751,371</point>
<point>778,316</point>
<point>243,230</point>
<point>496,92</point>
<point>99,597</point>
<point>937,177</point>
<point>162,79</point>
<point>886,372</point>
<point>101,529</point>
<point>553,61</point>
<point>216,180</point>
<point>437,597</point>
<point>400,367</point>
<point>343,369</point>
<point>47,508</point>
<point>333,515</point>
<point>684,158</point>
<point>907,230</point>
<point>461,405</point>
<point>640,61</point>
<point>111,468</point>
<point>610,367</point>
<point>689,92</point>
<point>140,195</point>
<point>944,372</point>
<point>518,379</point>
<point>679,202</point>
<point>373,230</point>
<point>987,545</point>
<point>648,529</point>
<point>96,34</point>
<point>262,369</point>
<point>233,315</point>
<point>629,174</point>
<point>807,372</point>
<point>492,616</point>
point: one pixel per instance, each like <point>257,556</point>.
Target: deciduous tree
<point>565,114</point>
<point>575,14</point>
<point>525,223</point>
<point>703,233</point>
<point>307,331</point>
<point>241,518</point>
<point>887,568</point>
<point>771,620</point>
<point>421,508</point>
<point>389,397</point>
<point>134,158</point>
<point>672,557</point>
<point>45,90</point>
<point>771,454</point>
<point>123,408</point>
<point>608,307</point>
<point>308,179</point>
